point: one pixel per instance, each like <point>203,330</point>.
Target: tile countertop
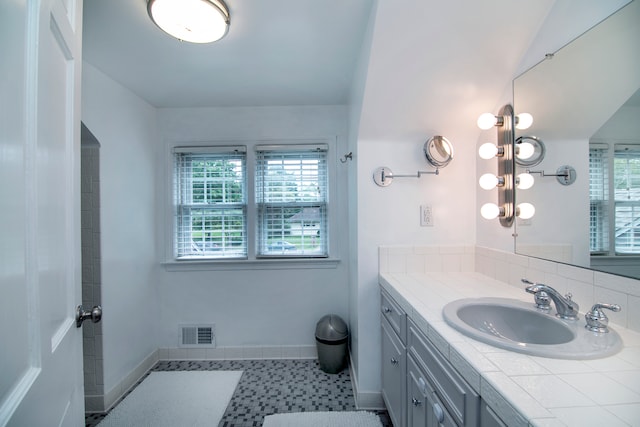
<point>523,390</point>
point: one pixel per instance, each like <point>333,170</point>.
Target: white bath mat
<point>176,398</point>
<point>323,419</point>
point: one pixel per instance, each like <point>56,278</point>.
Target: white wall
<point>426,78</point>
<point>125,127</point>
<point>355,107</point>
<point>252,306</point>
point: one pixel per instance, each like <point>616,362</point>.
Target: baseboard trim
<point>364,399</point>
<point>103,403</point>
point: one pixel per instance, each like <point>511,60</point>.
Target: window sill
<point>258,264</point>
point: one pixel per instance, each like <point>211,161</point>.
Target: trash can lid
<point>331,328</point>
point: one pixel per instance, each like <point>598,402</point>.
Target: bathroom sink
<point>519,326</point>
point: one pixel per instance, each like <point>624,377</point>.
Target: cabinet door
<point>393,374</point>
<point>424,409</point>
<point>416,398</point>
<point>488,418</point>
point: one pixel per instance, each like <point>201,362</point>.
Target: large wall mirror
<point>585,102</point>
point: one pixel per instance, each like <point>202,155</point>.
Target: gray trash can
<point>331,340</point>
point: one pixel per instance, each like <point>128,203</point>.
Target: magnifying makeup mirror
<point>438,151</point>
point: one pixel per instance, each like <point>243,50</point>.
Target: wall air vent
<point>197,336</point>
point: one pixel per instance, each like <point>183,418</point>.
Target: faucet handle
<point>542,300</point>
<point>597,321</point>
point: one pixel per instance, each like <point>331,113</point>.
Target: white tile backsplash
<point>587,286</point>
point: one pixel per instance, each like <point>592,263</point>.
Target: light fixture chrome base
<point>383,176</point>
<point>506,166</point>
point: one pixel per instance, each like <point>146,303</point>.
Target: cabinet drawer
<point>458,397</point>
<point>396,317</point>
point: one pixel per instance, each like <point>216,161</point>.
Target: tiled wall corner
<point>91,277</point>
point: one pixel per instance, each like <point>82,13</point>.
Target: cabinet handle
<point>394,361</point>
<point>386,309</point>
<point>416,402</point>
<point>438,412</point>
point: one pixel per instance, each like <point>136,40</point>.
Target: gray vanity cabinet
<point>420,387</point>
<point>394,359</point>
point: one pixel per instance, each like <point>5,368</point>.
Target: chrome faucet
<point>565,307</point>
<point>597,321</point>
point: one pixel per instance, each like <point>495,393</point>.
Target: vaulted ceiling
<point>427,67</point>
<point>277,52</point>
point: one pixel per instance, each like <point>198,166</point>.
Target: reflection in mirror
<point>585,104</point>
<point>530,150</point>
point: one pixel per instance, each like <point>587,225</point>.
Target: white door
<point>40,346</point>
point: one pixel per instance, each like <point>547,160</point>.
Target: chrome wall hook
<point>348,156</point>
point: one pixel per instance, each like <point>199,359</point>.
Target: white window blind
<point>599,199</point>
<point>627,199</point>
<point>210,202</point>
<point>292,201</point>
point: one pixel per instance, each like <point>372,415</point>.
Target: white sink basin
<point>521,327</point>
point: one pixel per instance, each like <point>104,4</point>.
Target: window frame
<point>252,261</point>
<point>184,191</point>
<point>289,152</point>
<point>610,148</point>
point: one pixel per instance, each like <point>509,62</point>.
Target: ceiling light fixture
<point>195,21</point>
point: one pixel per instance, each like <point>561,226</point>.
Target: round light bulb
<point>489,211</point>
<point>526,210</point>
<point>488,181</point>
<point>525,181</point>
<point>488,151</point>
<point>486,121</point>
<point>525,150</point>
<point>525,120</point>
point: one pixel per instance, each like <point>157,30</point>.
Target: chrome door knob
<point>95,314</point>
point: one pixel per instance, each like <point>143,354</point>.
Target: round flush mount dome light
<point>195,21</point>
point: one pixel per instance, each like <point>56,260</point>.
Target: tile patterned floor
<point>273,386</point>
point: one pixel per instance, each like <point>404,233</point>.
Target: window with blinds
<point>599,198</point>
<point>626,177</point>
<point>291,187</point>
<point>210,202</point>
<point>614,224</point>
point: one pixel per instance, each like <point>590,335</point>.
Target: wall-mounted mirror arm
<point>566,175</point>
<point>383,176</point>
<point>438,152</point>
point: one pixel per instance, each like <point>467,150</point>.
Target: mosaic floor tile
<point>272,386</point>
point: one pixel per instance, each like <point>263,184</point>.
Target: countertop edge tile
<point>420,294</point>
